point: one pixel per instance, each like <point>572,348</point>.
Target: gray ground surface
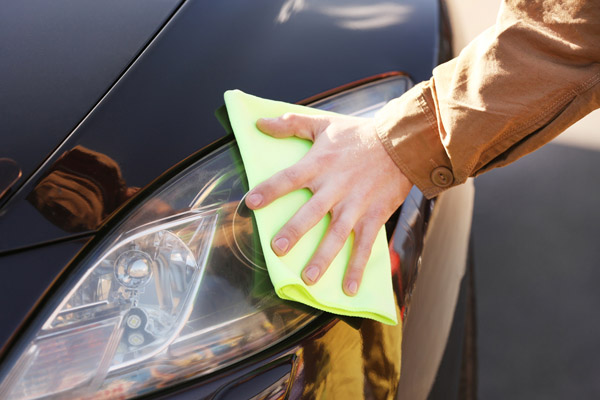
<point>536,232</point>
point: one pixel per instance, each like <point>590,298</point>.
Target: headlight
<point>174,291</point>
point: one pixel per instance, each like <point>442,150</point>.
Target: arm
<point>514,88</point>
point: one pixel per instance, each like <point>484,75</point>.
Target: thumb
<point>300,125</point>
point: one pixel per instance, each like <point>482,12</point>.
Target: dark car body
<point>123,94</point>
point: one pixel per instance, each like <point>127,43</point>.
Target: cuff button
<point>442,177</point>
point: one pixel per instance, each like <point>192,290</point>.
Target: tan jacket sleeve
<point>514,88</point>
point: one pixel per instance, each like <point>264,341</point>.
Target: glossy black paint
<point>407,243</point>
<point>9,175</point>
<point>57,59</point>
<point>161,110</point>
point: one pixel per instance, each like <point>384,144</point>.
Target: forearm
<point>514,88</point>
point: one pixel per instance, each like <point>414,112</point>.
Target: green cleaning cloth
<point>263,156</point>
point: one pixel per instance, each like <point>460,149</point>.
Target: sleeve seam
<point>555,105</point>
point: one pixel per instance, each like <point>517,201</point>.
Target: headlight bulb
<point>133,269</point>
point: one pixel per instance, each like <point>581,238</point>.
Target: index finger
<point>290,124</point>
<point>283,182</point>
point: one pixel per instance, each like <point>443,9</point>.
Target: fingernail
<point>312,273</point>
<point>352,287</point>
<point>254,199</point>
<point>281,244</point>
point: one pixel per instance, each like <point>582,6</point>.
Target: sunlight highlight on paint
<point>359,17</point>
<point>375,16</point>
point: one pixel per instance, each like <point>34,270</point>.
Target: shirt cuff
<point>408,129</point>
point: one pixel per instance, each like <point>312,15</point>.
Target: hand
<point>350,175</point>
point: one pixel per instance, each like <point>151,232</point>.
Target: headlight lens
<point>175,291</point>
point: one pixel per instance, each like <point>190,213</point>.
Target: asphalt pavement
<point>536,232</point>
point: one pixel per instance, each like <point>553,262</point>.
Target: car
<point>130,267</point>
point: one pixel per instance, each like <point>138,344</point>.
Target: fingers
<point>335,238</point>
<point>305,218</point>
<point>285,181</point>
<point>302,126</point>
<point>364,238</point>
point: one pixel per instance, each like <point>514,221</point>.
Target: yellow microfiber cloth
<point>263,156</point>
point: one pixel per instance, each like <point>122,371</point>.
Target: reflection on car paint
<point>82,188</point>
<point>9,175</point>
<point>370,357</point>
<point>349,16</point>
<point>335,361</point>
<point>406,246</point>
